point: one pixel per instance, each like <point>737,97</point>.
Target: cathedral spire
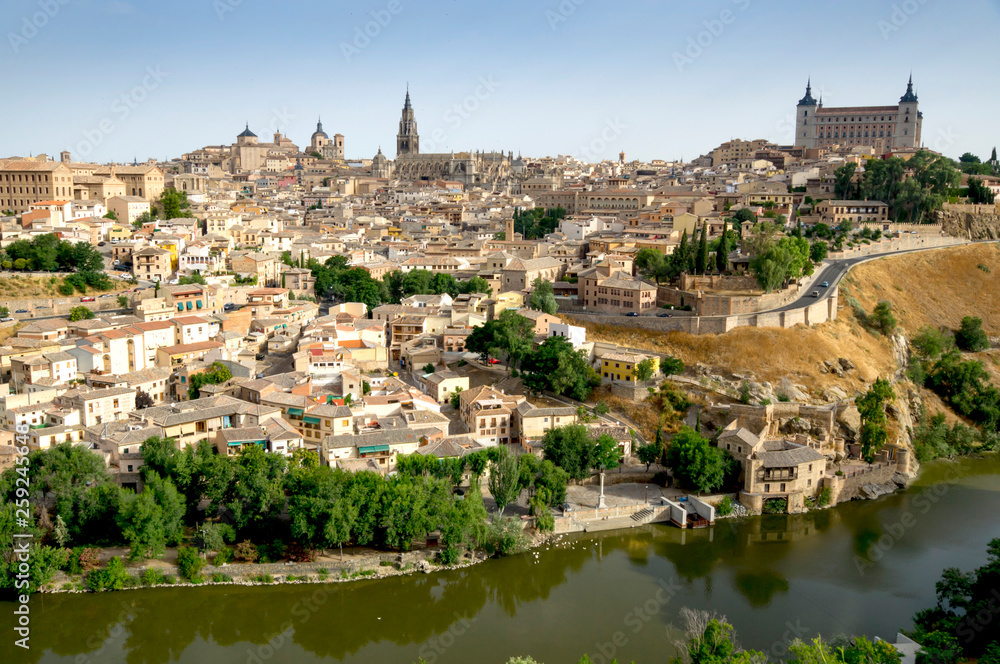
<point>808,100</point>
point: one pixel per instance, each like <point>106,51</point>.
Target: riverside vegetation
<point>263,507</point>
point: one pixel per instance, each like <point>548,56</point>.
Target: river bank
<point>863,568</point>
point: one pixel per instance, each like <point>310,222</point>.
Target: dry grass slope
<point>933,287</point>
<point>926,288</point>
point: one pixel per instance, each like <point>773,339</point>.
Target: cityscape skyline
<point>136,108</point>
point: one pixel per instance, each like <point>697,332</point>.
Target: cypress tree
<point>701,259</point>
<point>722,254</point>
<point>682,252</point>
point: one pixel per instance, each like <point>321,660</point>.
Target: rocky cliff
<point>972,225</point>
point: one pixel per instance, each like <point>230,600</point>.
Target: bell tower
<point>407,140</point>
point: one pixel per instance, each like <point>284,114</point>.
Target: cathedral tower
<point>407,140</point>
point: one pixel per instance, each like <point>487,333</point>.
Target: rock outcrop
<point>971,225</point>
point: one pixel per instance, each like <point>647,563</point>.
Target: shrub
<point>725,507</point>
<point>661,478</point>
<point>151,577</point>
<point>970,335</point>
<point>745,393</point>
<point>823,499</point>
<point>112,577</point>
<point>775,506</point>
<point>882,320</point>
<point>263,578</point>
<point>189,563</point>
<point>219,577</point>
<point>245,552</point>
<point>782,397</point>
<point>66,289</point>
<point>505,537</point>
<point>225,555</point>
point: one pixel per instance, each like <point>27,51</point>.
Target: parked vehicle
<point>6,320</point>
<point>21,311</point>
<point>632,313</point>
<point>101,244</point>
<point>663,315</point>
<point>87,298</point>
<point>107,295</point>
<point>494,360</point>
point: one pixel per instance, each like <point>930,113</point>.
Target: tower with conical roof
<point>407,140</point>
<point>805,116</point>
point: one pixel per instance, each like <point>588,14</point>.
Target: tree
<point>112,215</point>
<point>979,193</point>
<point>844,188</point>
<point>194,278</point>
<point>709,639</point>
<point>871,406</point>
<point>685,254</point>
<point>141,522</point>
<point>80,313</point>
<point>696,463</point>
<point>255,493</point>
<point>216,374</point>
<point>649,263</point>
<point>970,336</point>
<point>543,297</point>
<point>648,454</point>
<point>882,319</point>
<point>670,366</point>
<point>143,400</point>
<point>123,301</point>
<point>701,258</point>
<point>59,532</point>
<point>174,204</point>
<point>557,367</point>
<point>428,368</point>
<point>818,251</point>
<point>576,452</point>
<point>644,370</point>
<point>456,398</point>
<point>722,252</point>
<point>504,478</point>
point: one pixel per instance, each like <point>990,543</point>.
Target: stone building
<point>884,128</point>
<point>485,169</point>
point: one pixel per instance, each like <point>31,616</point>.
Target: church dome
<point>247,133</point>
<point>319,133</point>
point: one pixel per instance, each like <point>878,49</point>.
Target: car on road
<point>815,293</point>
<point>21,311</point>
<point>7,319</point>
<point>87,298</point>
<point>101,244</point>
<point>494,360</point>
<point>107,295</point>
<point>632,313</point>
<point>825,284</point>
<point>663,315</point>
<point>229,306</point>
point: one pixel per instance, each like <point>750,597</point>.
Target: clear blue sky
<point>117,79</point>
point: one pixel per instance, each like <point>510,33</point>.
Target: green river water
<point>863,567</point>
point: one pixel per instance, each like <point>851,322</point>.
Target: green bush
<point>775,506</point>
<point>505,537</point>
<point>725,507</point>
<point>971,336</point>
<point>225,555</point>
<point>823,499</point>
<point>189,563</point>
<point>112,577</point>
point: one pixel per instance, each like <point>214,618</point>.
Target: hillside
<point>926,288</point>
<point>934,288</point>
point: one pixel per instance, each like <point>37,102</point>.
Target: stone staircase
<point>642,515</point>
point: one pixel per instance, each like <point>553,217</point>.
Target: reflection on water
<point>864,567</point>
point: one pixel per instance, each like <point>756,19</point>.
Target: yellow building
<point>620,367</point>
<point>120,233</point>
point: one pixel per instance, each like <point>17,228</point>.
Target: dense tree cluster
<point>960,626</point>
<point>276,506</point>
<point>697,464</point>
<point>216,374</point>
<point>537,222</point>
<point>47,253</point>
<point>577,452</point>
<point>912,189</point>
